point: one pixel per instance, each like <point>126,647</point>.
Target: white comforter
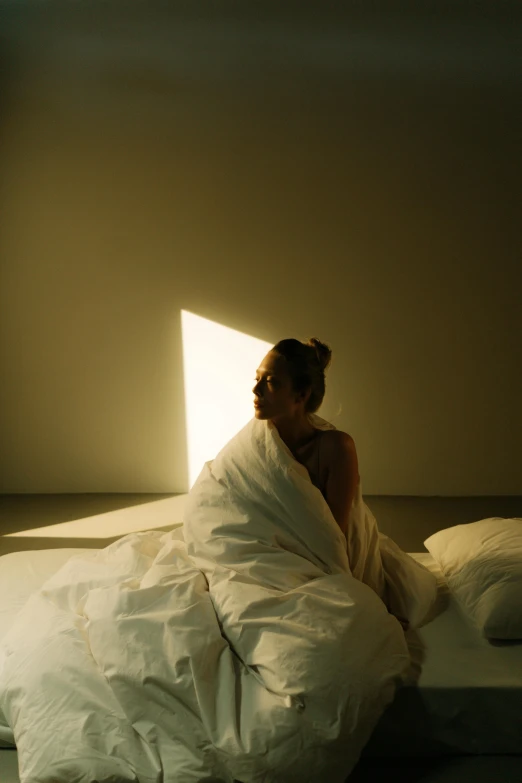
<point>239,647</point>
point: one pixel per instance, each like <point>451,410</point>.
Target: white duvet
<point>237,647</point>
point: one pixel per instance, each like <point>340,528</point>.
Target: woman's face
<point>273,389</point>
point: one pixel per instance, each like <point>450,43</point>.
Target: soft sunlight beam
<point>219,367</point>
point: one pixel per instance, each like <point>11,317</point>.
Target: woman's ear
<point>304,395</point>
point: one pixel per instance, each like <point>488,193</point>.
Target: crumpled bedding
<point>240,647</point>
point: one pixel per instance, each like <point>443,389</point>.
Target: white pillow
<point>482,562</point>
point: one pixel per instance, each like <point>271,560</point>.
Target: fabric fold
<point>240,647</point>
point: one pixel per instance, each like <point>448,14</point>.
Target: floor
<point>461,769</point>
<point>95,520</point>
<point>475,769</point>
<point>49,521</point>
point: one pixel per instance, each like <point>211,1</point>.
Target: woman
<point>290,386</point>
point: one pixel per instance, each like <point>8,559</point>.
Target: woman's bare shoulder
<point>336,437</point>
<point>340,451</point>
<point>335,441</point>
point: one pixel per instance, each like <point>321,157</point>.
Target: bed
<point>463,695</point>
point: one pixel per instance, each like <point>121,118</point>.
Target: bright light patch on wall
<point>219,367</point>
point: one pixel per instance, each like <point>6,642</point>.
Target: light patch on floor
<point>146,516</point>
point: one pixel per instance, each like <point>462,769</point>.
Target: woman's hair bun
<point>322,350</point>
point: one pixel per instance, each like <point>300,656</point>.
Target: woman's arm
<point>343,477</point>
<point>341,486</point>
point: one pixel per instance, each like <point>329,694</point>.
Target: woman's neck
<point>295,434</point>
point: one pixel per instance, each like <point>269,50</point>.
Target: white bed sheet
<point>465,694</point>
<point>21,574</point>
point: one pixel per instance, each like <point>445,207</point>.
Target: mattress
<point>463,694</point>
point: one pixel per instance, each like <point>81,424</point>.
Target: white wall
<point>353,179</point>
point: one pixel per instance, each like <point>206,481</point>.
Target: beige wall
<point>354,179</point>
